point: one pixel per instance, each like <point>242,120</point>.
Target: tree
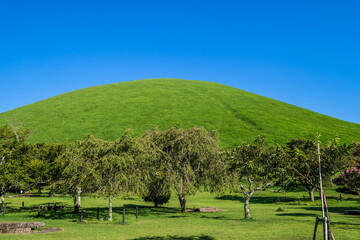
<point>190,159</point>
<point>118,171</point>
<point>255,165</point>
<point>80,160</point>
<point>156,180</point>
<point>12,151</point>
<point>302,162</point>
<point>42,165</point>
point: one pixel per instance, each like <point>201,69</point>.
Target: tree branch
<point>306,178</point>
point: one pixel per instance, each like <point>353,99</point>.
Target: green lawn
<point>107,111</point>
<point>295,222</point>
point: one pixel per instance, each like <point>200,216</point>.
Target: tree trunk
<point>110,206</point>
<point>182,201</point>
<point>156,204</point>
<point>79,197</point>
<point>76,206</point>
<point>77,200</point>
<point>2,198</point>
<point>311,194</point>
<point>247,206</point>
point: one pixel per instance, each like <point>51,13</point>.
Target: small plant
<point>280,209</point>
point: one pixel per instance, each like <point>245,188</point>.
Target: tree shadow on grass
<point>92,213</point>
<point>147,210</point>
<point>331,209</point>
<point>175,237</point>
<point>346,225</point>
<point>297,214</point>
<point>267,200</point>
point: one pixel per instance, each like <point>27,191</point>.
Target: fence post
<point>81,215</point>
<point>23,204</point>
<point>39,210</point>
<point>124,216</point>
<point>98,213</point>
<point>316,225</point>
<point>137,212</point>
<point>4,209</point>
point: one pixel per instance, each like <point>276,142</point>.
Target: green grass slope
<point>107,110</point>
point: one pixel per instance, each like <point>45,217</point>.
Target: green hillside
<point>107,110</point>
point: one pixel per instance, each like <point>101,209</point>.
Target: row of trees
<point>183,161</point>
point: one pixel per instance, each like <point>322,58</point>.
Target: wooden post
<point>316,225</point>
<point>137,212</point>
<point>55,207</point>
<point>299,201</point>
<point>4,212</point>
<point>324,217</point>
<point>81,215</point>
<point>98,213</point>
<point>124,216</point>
<point>340,197</point>
<point>23,204</point>
<point>39,210</point>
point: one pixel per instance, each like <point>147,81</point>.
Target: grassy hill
<point>107,110</point>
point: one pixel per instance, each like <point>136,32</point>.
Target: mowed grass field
<point>108,110</point>
<point>295,222</point>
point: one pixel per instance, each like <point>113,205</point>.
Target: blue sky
<point>305,53</point>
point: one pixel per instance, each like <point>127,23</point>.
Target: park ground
<point>293,221</point>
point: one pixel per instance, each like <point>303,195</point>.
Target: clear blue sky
<point>306,53</point>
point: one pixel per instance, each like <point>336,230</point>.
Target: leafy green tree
<point>254,167</point>
<point>156,181</point>
<point>80,160</point>
<point>303,166</point>
<point>117,172</point>
<point>302,161</point>
<point>12,151</point>
<point>42,164</point>
<point>190,158</point>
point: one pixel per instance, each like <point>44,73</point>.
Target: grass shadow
<point>176,237</point>
<point>331,209</point>
<point>346,225</point>
<point>92,213</point>
<point>266,200</point>
<point>297,214</point>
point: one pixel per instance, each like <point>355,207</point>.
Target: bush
<point>350,179</point>
<point>158,192</point>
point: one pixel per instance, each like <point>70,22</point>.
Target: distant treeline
<point>183,161</point>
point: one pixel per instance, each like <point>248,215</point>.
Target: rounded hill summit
<point>108,110</point>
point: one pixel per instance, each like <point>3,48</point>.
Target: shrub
<point>350,179</point>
